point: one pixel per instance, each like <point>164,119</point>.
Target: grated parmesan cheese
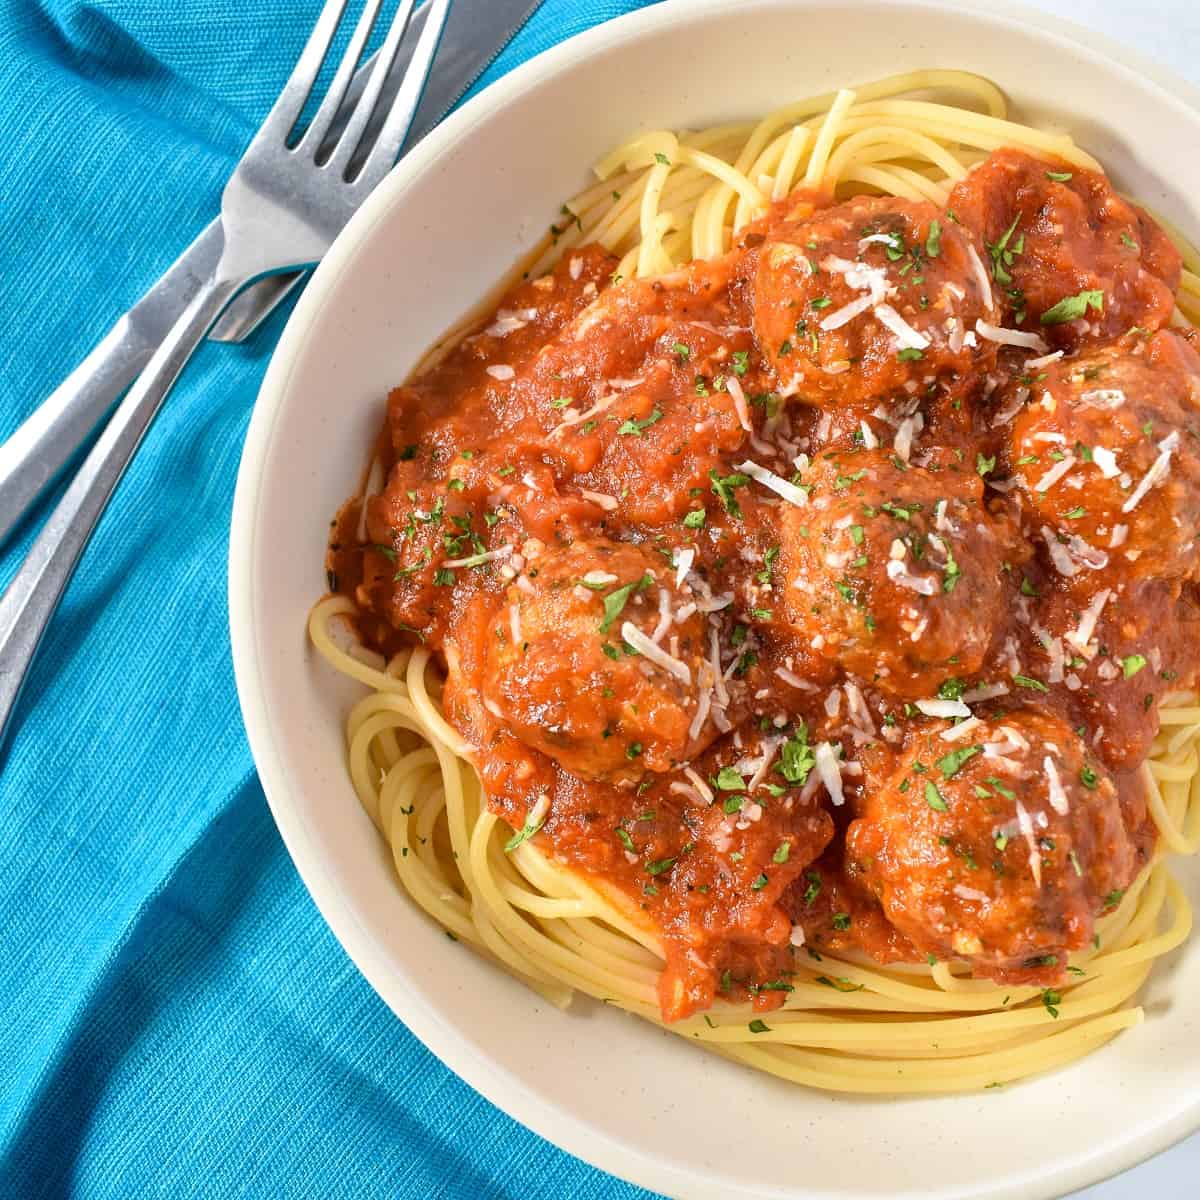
<point>1056,472</point>
<point>780,486</point>
<point>830,773</point>
<point>908,337</point>
<point>1058,797</point>
<point>655,654</point>
<point>1010,337</point>
<point>1159,470</point>
<point>946,709</point>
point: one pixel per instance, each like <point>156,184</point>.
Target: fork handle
<point>33,595</point>
<point>54,432</point>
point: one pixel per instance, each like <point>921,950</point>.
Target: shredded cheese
<point>830,773</point>
<point>1159,470</point>
<point>1009,337</point>
<point>683,564</point>
<point>1058,797</point>
<point>1025,824</point>
<point>655,654</point>
<point>924,585</point>
<point>1056,472</point>
<point>981,277</point>
<point>945,709</point>
<point>847,313</point>
<point>739,402</point>
<point>780,486</point>
<point>908,337</point>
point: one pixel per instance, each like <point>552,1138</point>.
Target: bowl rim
<point>498,1085</point>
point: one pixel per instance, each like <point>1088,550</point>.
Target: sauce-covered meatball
<point>1000,846</point>
<point>895,574</point>
<point>1106,452</point>
<point>564,678</point>
<point>1070,258</point>
<point>870,298</point>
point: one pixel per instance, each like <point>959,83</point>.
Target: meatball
<point>1070,258</point>
<point>1000,848</point>
<point>894,573</point>
<point>873,297</point>
<point>565,681</point>
<point>1106,455</point>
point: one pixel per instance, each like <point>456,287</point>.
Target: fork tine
<point>352,134</point>
<point>398,119</point>
<point>314,135</point>
<point>286,110</point>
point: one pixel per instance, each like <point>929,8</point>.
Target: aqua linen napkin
<point>175,1018</point>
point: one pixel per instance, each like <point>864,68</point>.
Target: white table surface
<point>1168,31</point>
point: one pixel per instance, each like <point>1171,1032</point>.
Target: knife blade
<point>473,38</point>
<point>56,430</point>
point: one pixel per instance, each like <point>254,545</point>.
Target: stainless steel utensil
<point>38,450</point>
<point>281,208</point>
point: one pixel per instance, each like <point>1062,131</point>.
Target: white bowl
<point>431,240</point>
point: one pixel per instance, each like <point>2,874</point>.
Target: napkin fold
<point>175,1018</point>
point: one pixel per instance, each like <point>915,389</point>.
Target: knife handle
<point>48,440</point>
<point>31,598</point>
<point>55,431</point>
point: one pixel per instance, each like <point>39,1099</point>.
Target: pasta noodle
<point>850,1024</point>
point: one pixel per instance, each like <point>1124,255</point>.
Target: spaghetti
<point>847,1023</point>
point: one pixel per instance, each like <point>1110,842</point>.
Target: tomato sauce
<point>815,601</point>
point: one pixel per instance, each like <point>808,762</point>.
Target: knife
<point>51,436</point>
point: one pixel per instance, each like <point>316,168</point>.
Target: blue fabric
<point>175,1018</point>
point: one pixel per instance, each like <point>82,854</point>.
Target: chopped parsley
<point>796,759</point>
<point>1071,308</point>
<point>950,572</point>
<point>1132,664</point>
<point>954,762</point>
<point>728,780</point>
<point>723,487</point>
<point>614,602</point>
<point>934,798</point>
<point>533,822</point>
<point>999,785</point>
<point>634,427</point>
<point>1034,685</point>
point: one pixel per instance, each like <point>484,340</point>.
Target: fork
<point>280,210</point>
